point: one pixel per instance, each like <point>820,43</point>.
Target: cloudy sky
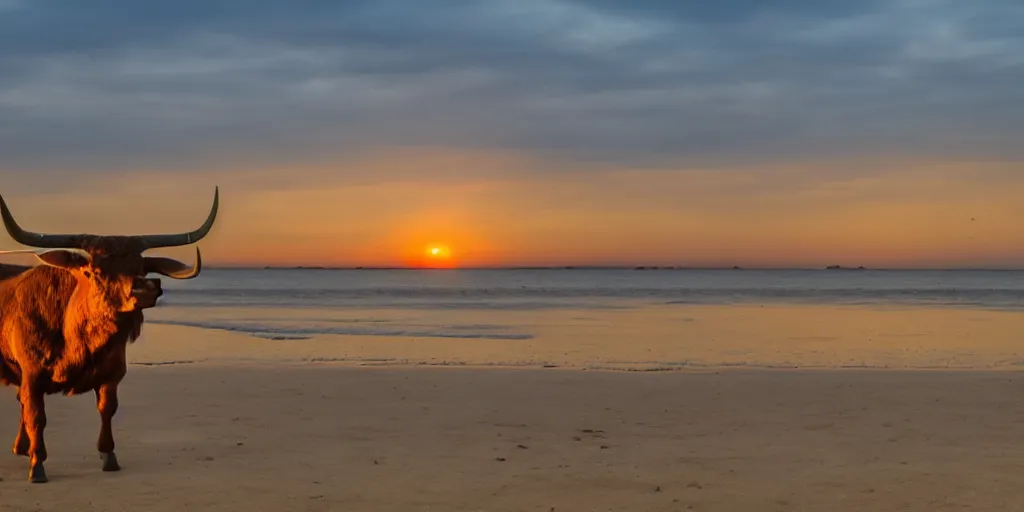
<point>669,132</point>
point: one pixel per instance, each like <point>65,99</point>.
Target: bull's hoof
<point>110,462</point>
<point>37,474</point>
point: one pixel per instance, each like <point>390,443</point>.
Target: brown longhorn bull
<point>65,324</point>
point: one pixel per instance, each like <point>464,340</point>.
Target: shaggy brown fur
<point>65,325</point>
<point>65,318</point>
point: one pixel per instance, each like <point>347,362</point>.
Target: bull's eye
<point>88,275</point>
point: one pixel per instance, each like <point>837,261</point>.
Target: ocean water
<point>583,288</point>
<point>507,304</point>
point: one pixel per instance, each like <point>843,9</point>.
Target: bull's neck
<point>91,324</point>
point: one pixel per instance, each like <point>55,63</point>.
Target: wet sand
<point>670,337</point>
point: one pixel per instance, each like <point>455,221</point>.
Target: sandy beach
<point>318,436</point>
<point>675,408</point>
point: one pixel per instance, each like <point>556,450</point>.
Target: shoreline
<point>653,339</point>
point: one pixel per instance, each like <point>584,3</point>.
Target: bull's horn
<point>34,239</point>
<point>48,241</point>
<point>179,239</point>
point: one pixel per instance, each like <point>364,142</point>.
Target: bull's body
<point>78,352</point>
<point>65,325</point>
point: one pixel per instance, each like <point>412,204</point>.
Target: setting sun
<point>438,251</point>
<point>433,255</point>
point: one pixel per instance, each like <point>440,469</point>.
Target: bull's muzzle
<point>146,291</point>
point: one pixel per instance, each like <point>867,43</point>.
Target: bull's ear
<point>61,258</point>
<point>173,268</point>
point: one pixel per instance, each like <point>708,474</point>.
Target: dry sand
<point>254,425</point>
<point>322,437</point>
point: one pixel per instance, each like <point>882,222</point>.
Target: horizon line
<point>832,268</point>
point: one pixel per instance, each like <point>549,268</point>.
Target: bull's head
<point>113,267</point>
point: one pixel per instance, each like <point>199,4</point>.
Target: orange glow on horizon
<point>483,210</point>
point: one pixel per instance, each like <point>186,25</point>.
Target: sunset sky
<point>786,133</point>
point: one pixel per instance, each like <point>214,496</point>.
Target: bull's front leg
<point>33,417</point>
<point>106,403</point>
<point>21,441</point>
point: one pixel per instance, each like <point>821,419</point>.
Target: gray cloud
<point>117,84</point>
